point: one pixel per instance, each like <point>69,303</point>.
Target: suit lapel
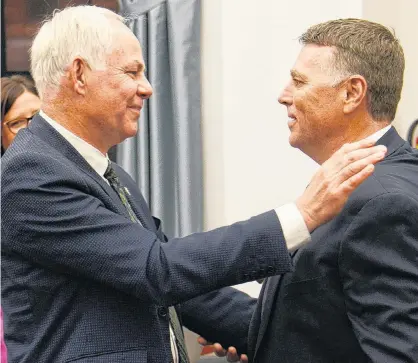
<point>52,137</point>
<point>264,310</point>
<point>254,327</point>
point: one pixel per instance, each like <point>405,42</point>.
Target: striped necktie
<point>114,182</point>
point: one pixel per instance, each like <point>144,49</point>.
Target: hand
<point>337,178</point>
<point>231,354</point>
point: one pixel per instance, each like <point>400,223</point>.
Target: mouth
<point>136,109</point>
<point>291,121</point>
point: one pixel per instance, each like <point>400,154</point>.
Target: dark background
<point>20,19</point>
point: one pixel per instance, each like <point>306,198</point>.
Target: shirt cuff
<point>295,232</point>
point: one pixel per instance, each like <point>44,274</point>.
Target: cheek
<point>6,137</point>
<point>302,101</point>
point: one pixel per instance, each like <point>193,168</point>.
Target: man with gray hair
<point>88,276</point>
<point>352,296</point>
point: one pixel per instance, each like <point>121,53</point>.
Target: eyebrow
<point>141,67</point>
<point>20,115</point>
<point>295,74</point>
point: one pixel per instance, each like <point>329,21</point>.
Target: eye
<point>132,73</point>
<point>18,123</point>
<point>297,82</point>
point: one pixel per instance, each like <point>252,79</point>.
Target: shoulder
<point>394,180</point>
<point>30,164</point>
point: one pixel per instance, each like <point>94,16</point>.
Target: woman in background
<point>19,103</point>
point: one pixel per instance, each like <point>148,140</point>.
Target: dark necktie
<point>114,182</point>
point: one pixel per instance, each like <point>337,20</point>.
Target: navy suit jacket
<point>353,294</point>
<point>82,283</point>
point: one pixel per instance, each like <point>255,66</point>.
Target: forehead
<point>24,106</point>
<point>314,60</point>
<point>127,49</point>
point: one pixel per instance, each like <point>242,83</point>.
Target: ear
<point>355,93</point>
<point>78,75</point>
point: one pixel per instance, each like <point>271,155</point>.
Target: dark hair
<point>369,49</point>
<point>11,89</point>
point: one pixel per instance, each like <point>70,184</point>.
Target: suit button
<point>270,270</point>
<point>162,311</point>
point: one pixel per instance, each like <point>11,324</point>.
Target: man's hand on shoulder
<point>337,178</point>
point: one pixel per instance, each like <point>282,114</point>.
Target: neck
<point>83,127</point>
<point>355,132</point>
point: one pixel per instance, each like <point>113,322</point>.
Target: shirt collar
<point>94,157</point>
<point>379,134</point>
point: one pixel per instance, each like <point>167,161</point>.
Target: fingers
<point>346,148</point>
<point>244,358</point>
<point>362,160</point>
<point>342,159</point>
<point>337,178</point>
<point>352,183</point>
<point>372,154</point>
<point>219,350</point>
<point>232,356</point>
<point>203,341</point>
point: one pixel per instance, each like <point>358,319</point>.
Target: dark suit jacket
<point>82,283</point>
<point>353,294</point>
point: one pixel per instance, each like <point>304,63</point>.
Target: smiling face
<point>114,96</point>
<point>315,107</point>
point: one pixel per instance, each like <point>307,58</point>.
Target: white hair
<point>79,31</point>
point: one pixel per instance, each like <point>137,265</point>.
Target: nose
<point>285,97</point>
<point>144,88</point>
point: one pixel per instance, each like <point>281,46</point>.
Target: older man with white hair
<point>88,276</point>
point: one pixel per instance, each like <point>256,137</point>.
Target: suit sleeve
<point>379,270</point>
<point>221,316</point>
<point>52,219</point>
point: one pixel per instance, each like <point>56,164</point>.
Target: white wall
<point>248,49</point>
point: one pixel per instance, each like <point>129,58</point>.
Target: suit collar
<point>391,140</point>
<point>52,137</point>
<point>43,130</point>
<point>93,156</point>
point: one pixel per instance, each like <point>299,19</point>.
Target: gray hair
<point>79,31</point>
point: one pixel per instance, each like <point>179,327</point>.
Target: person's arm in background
<point>379,270</point>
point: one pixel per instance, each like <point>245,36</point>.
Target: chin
<point>132,132</point>
<point>293,140</point>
